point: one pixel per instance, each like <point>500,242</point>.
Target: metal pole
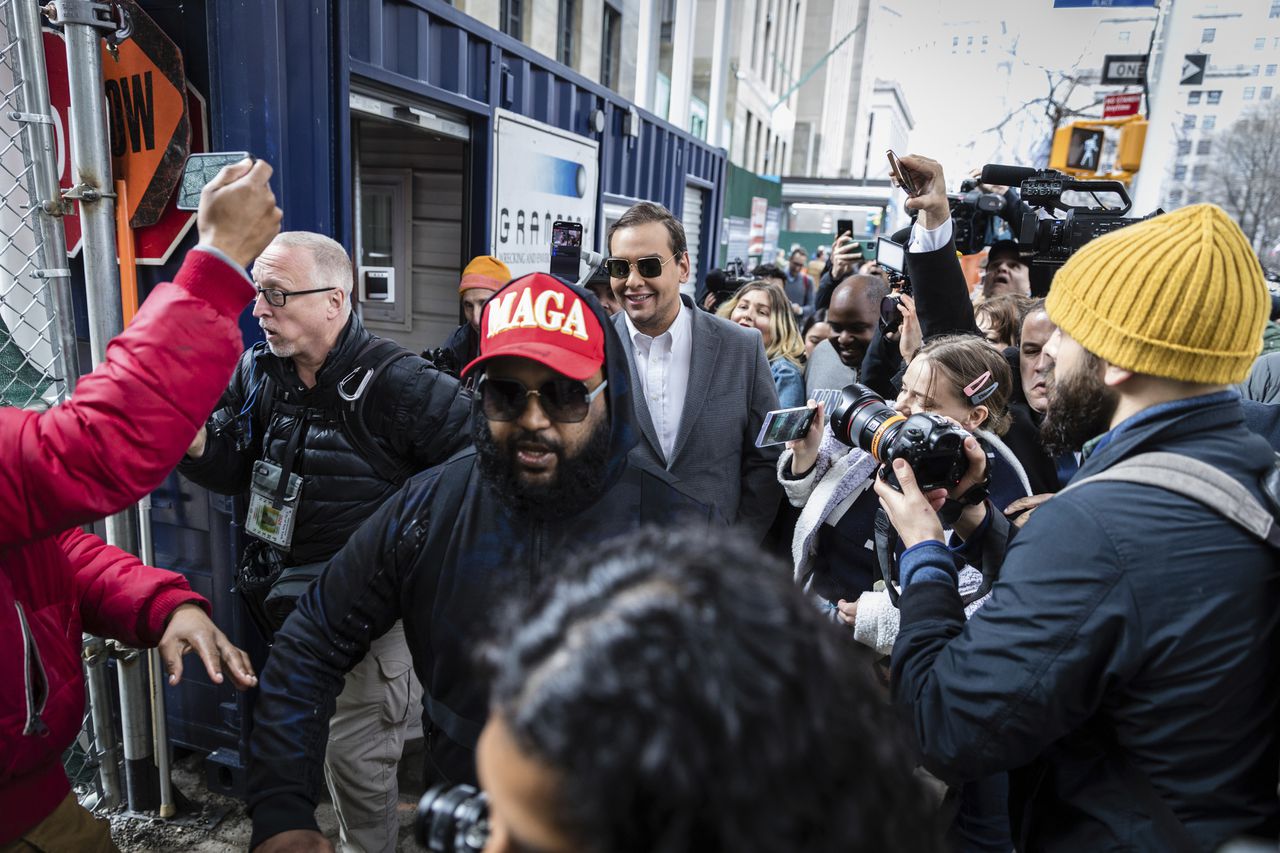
<point>45,194</point>
<point>84,24</point>
<point>104,727</point>
<point>141,779</point>
<point>159,723</point>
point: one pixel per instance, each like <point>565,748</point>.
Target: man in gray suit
<point>705,384</point>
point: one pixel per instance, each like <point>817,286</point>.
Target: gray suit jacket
<point>715,455</point>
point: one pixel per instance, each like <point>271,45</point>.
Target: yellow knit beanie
<point>1179,296</point>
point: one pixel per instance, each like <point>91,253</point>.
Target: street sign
<point>147,116</point>
<point>1085,149</point>
<point>153,243</point>
<point>1100,4</point>
<point>1124,69</point>
<point>1193,69</point>
<point>1118,106</point>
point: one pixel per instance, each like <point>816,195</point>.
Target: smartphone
<point>868,248</point>
<point>785,425</point>
<point>844,226</point>
<point>900,174</point>
<point>890,316</point>
<point>566,250</point>
<point>199,171</point>
<point>890,255</point>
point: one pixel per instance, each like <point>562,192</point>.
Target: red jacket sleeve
<point>119,596</point>
<point>130,421</point>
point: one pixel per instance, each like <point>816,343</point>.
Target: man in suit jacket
<point>705,382</point>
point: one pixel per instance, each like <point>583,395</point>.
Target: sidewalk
<point>221,825</point>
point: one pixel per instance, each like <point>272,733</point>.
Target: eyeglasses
<point>565,401</point>
<point>276,298</point>
<point>650,267</point>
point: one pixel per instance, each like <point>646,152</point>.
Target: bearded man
<point>1124,669</point>
<point>462,542</point>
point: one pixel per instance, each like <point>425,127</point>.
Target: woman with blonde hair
<point>764,306</point>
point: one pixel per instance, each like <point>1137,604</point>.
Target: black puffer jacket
<point>446,555</point>
<point>417,415</point>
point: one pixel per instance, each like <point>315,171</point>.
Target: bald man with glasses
<point>322,422</point>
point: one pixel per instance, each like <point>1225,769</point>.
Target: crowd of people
<point>555,549</point>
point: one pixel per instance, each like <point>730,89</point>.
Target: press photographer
<point>1131,695</point>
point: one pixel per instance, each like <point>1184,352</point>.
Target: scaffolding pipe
<point>106,750</point>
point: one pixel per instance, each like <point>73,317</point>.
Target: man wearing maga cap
<point>549,473</point>
<point>1126,668</point>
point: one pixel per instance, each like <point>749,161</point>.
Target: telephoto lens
<point>932,445</point>
<point>453,819</point>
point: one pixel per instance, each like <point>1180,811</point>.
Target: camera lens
<point>863,419</point>
<point>453,819</point>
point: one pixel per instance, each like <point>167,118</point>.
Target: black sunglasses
<point>650,267</point>
<point>565,401</point>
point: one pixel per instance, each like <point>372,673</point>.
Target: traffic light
<point>1078,148</point>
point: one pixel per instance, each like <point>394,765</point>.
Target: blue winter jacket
<point>1133,634</point>
<point>446,556</point>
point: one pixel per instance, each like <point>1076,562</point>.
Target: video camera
<point>971,212</point>
<point>724,283</point>
<point>1054,240</point>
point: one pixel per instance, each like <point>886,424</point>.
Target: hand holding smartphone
<point>904,177</point>
<point>783,425</point>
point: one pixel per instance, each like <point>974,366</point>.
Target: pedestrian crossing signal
<point>1084,152</point>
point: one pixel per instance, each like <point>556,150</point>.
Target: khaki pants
<point>380,702</point>
<point>70,828</point>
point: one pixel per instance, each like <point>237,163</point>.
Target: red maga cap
<point>540,318</point>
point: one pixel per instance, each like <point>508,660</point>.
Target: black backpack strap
<point>373,359</point>
<point>1199,481</point>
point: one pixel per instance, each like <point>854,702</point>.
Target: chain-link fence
<point>36,329</point>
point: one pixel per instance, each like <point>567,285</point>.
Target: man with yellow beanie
<point>1126,668</point>
<point>480,280</point>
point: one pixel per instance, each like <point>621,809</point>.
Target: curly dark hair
<point>692,699</point>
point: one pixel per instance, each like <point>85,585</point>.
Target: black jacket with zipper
<point>446,556</point>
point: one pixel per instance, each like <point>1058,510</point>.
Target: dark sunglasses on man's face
<point>649,267</point>
<point>565,401</point>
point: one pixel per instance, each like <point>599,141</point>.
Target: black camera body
<point>724,283</point>
<point>452,819</point>
<point>1052,240</point>
<point>932,445</point>
<point>971,213</point>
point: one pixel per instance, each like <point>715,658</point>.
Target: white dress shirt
<point>662,362</point>
<point>925,240</point>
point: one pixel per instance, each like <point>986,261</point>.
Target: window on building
<point>1209,123</point>
<point>511,18</point>
<point>1275,9</point>
<point>1203,146</point>
<point>1184,147</point>
<point>565,31</point>
<point>611,47</point>
<point>1271,70</point>
<point>1260,42</point>
<point>1194,197</point>
<point>1179,173</point>
<point>1198,173</point>
<point>1253,71</point>
<point>1209,34</point>
<point>1265,94</point>
<point>1193,98</point>
<point>1188,122</point>
<point>1249,92</point>
<point>955,41</point>
<point>1175,198</point>
<point>1215,96</point>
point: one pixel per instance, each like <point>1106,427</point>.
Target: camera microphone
<point>1006,176</point>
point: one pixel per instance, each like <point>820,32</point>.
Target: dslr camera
<point>452,819</point>
<point>932,445</point>
<point>1054,240</point>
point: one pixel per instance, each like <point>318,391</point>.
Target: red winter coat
<point>127,425</point>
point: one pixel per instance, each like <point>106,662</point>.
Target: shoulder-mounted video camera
<point>972,210</point>
<point>1053,240</point>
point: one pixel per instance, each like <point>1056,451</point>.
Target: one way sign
<point>1193,69</point>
